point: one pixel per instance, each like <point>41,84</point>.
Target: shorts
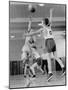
<point>39,61</point>
<point>35,53</point>
<point>27,61</point>
<point>50,45</point>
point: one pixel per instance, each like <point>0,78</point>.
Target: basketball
<point>32,8</point>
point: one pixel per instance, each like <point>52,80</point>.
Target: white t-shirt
<point>26,46</point>
<point>46,33</point>
<point>44,56</point>
<point>27,39</point>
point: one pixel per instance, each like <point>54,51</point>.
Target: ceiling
<point>19,10</point>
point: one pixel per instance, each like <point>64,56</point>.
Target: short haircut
<point>46,21</point>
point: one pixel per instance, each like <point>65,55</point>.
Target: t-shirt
<point>46,33</point>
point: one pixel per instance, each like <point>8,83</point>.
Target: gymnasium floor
<point>40,80</point>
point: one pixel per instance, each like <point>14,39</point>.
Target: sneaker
<point>24,76</point>
<point>50,76</point>
<point>63,70</point>
<point>34,76</point>
<point>28,85</point>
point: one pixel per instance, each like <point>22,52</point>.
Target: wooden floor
<point>18,81</point>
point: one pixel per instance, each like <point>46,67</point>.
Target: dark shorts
<point>50,45</point>
<point>27,61</point>
<point>39,61</point>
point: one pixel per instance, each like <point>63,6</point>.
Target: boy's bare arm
<point>51,16</point>
<point>33,33</point>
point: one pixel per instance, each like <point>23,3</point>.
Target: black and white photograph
<point>37,44</point>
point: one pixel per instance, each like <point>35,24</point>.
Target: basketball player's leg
<point>59,61</point>
<point>52,49</point>
<point>33,68</point>
<point>37,65</point>
<point>25,69</point>
<point>25,58</point>
<point>49,63</point>
<point>48,46</point>
<point>50,74</point>
<point>56,57</point>
<point>43,64</point>
<point>35,55</point>
<point>44,61</point>
<point>39,60</point>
